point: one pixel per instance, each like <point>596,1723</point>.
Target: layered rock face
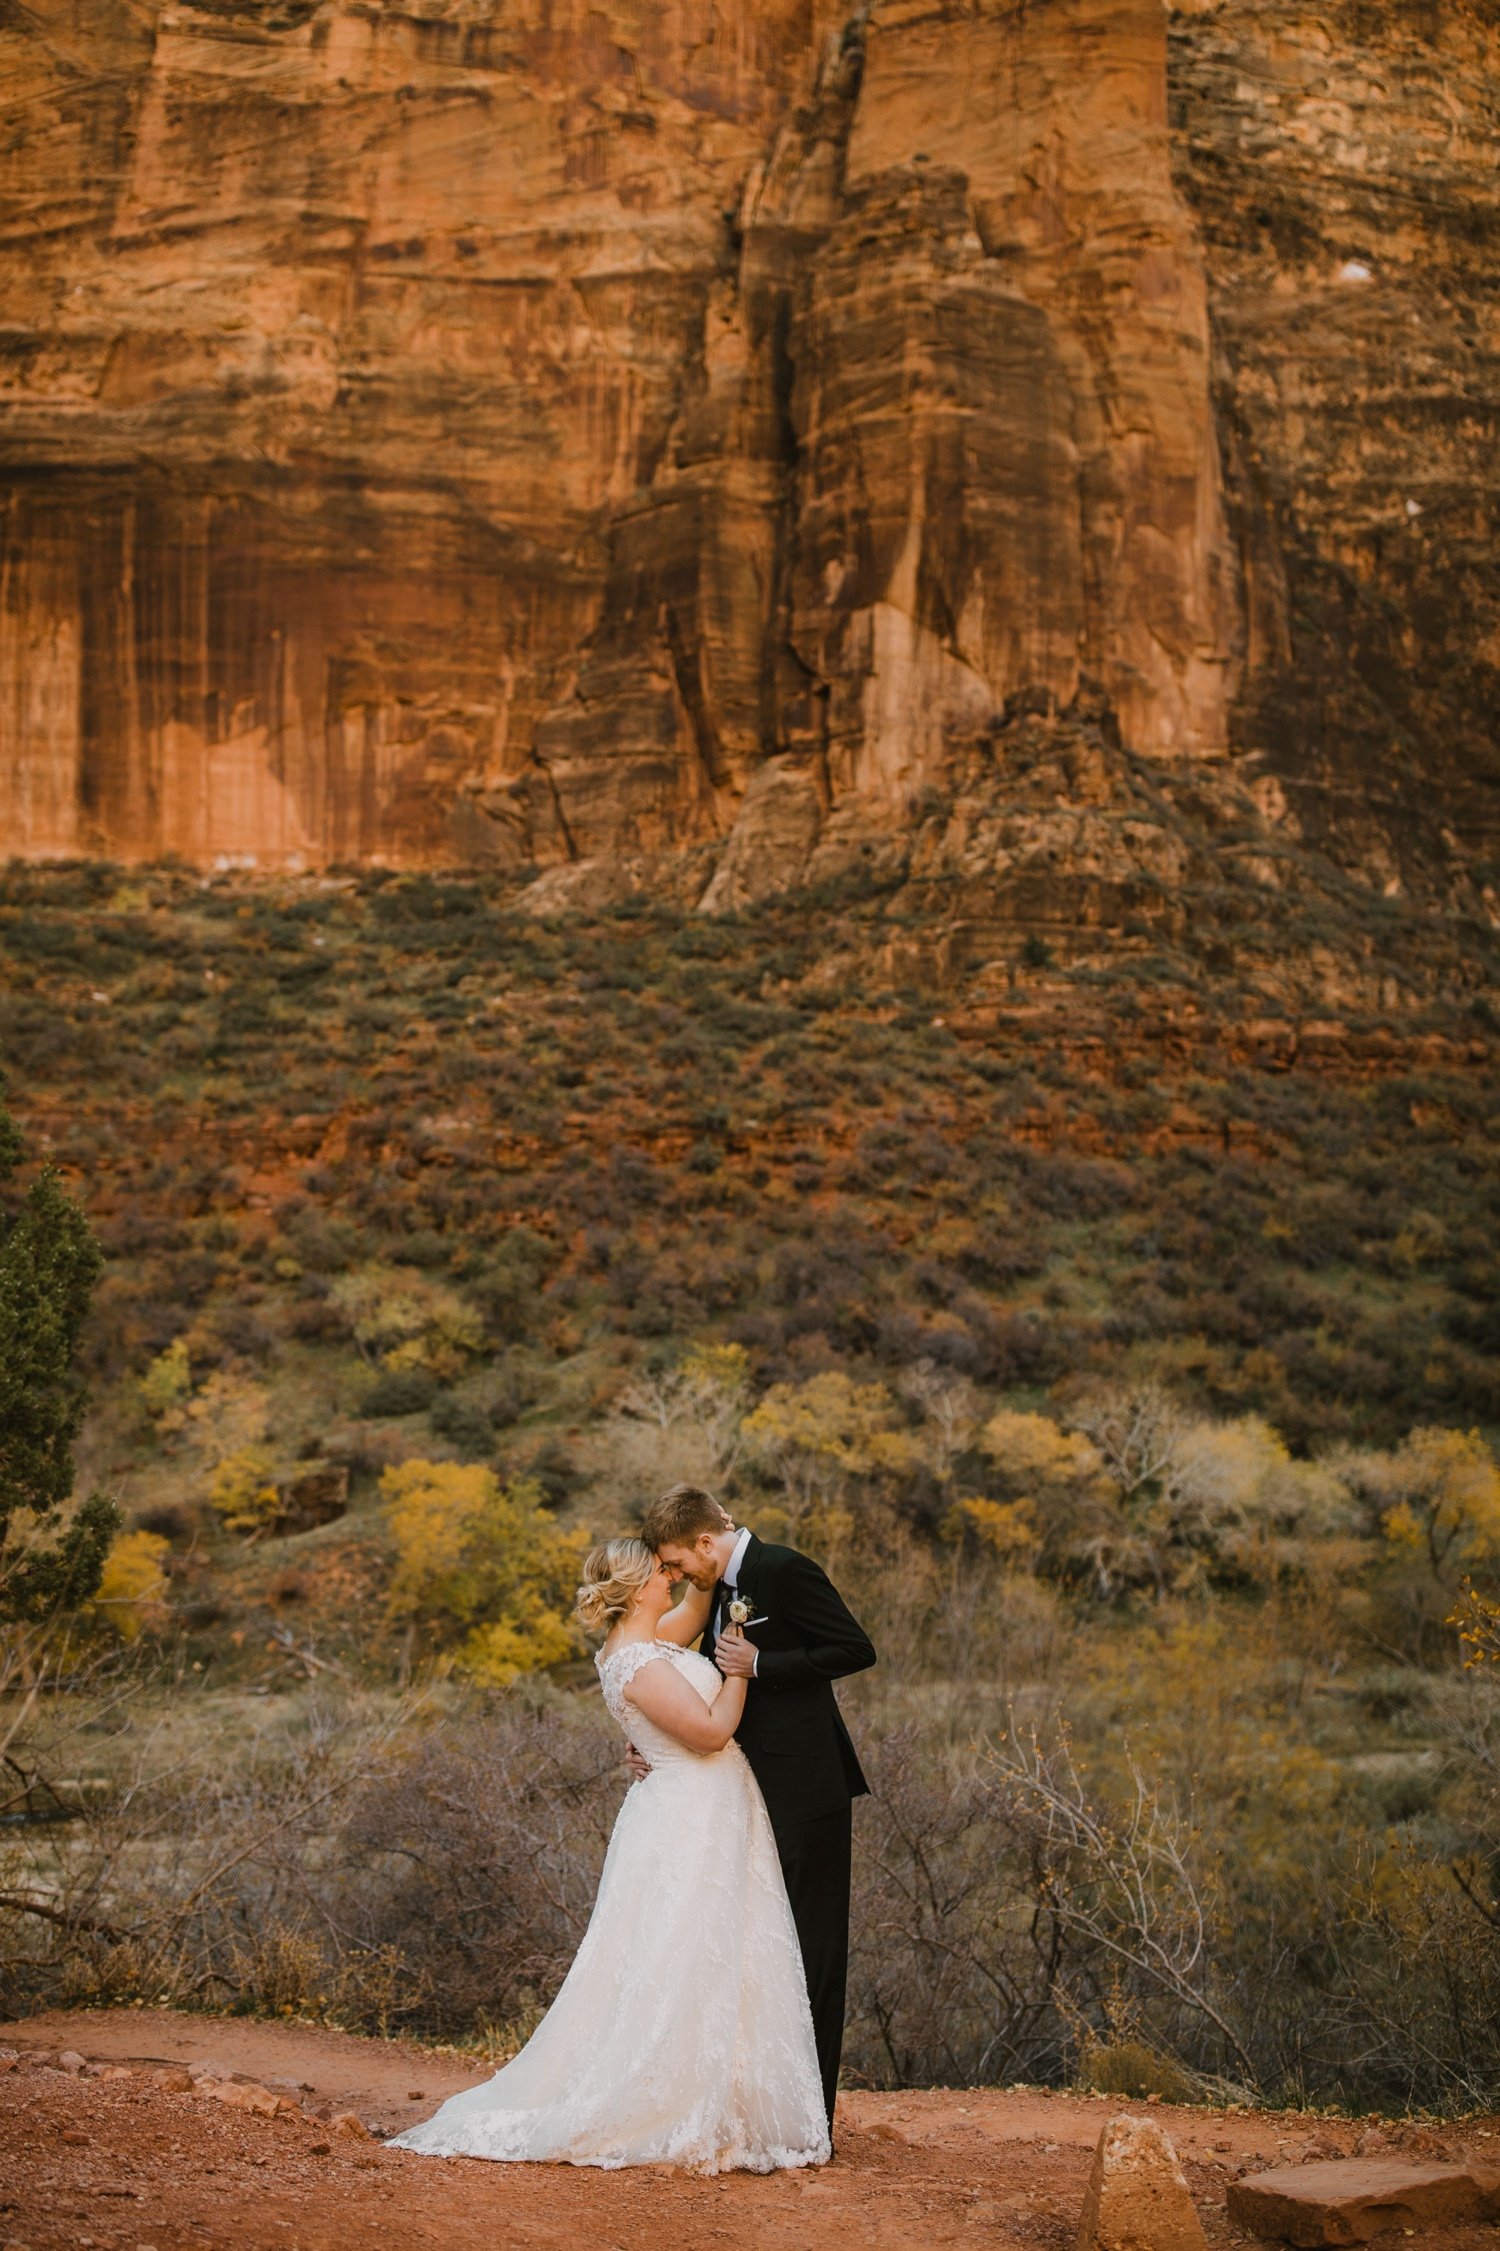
<point>1340,162</point>
<point>560,433</point>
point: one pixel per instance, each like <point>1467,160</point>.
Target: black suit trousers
<point>815,1860</point>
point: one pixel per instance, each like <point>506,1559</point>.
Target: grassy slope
<point>802,1129</point>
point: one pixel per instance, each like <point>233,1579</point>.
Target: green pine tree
<point>51,1556</point>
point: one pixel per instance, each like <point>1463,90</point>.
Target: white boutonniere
<point>740,1609</point>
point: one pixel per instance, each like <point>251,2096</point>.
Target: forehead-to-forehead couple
<point>739,1818</point>
<point>686,1536</point>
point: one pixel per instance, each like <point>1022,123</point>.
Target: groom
<point>797,1639</point>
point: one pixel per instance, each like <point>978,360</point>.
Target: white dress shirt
<point>731,1571</point>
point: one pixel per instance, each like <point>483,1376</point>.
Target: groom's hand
<point>635,1766</point>
<point>734,1656</point>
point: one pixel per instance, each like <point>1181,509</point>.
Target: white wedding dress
<point>682,2033</point>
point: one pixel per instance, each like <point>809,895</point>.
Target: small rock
<point>321,2149</point>
<point>415,2094</point>
<point>116,2071</point>
<point>244,2094</point>
<point>71,2060</point>
<point>345,2122</point>
<point>173,2079</point>
<point>75,2137</point>
<point>1138,2197</point>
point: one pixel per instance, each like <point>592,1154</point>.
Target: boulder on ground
<point>1138,2198</point>
<point>314,1497</point>
<point>344,2122</point>
<point>1355,2198</point>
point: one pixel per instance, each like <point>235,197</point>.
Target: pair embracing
<point>801,1638</point>
<point>727,1872</point>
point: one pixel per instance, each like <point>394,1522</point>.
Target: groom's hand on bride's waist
<point>635,1766</point>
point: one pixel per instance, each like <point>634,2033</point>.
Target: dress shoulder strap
<point>619,1666</point>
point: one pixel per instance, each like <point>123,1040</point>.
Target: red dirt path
<point>178,2172</point>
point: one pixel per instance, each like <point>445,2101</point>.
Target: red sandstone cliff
<point>554,432</point>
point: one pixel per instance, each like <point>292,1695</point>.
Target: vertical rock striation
<point>558,433</point>
<point>1340,160</point>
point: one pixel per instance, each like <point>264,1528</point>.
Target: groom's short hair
<point>682,1513</point>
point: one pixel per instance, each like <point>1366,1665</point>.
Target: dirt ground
<point>113,2161</point>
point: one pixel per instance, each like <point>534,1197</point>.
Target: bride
<point>682,2034</point>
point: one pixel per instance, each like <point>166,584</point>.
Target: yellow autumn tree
<point>1034,1449</point>
<point>1438,1495</point>
<point>1477,1618</point>
<point>132,1596</point>
<point>227,1413</point>
<point>1005,1530</point>
<point>484,1567</point>
<point>164,1388</point>
<point>821,1439</point>
<point>1060,1505</point>
<point>243,1490</point>
<point>401,1318</point>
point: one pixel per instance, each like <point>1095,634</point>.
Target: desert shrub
<point>400,1391</point>
<point>475,1859</point>
<point>462,1424</point>
<point>170,1521</point>
<point>508,1286</point>
<point>1129,2068</point>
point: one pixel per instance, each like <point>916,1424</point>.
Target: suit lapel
<point>747,1579</point>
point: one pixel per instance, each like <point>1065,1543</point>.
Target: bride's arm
<point>660,1691</point>
<point>687,1618</point>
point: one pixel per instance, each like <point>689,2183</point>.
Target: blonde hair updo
<point>612,1578</point>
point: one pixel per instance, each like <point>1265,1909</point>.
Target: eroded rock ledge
<point>556,434</point>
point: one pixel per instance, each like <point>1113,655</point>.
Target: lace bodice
<point>618,1668</point>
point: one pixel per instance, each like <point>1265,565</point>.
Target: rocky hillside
<point>548,433</point>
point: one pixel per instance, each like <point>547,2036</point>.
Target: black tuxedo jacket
<point>792,1732</point>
